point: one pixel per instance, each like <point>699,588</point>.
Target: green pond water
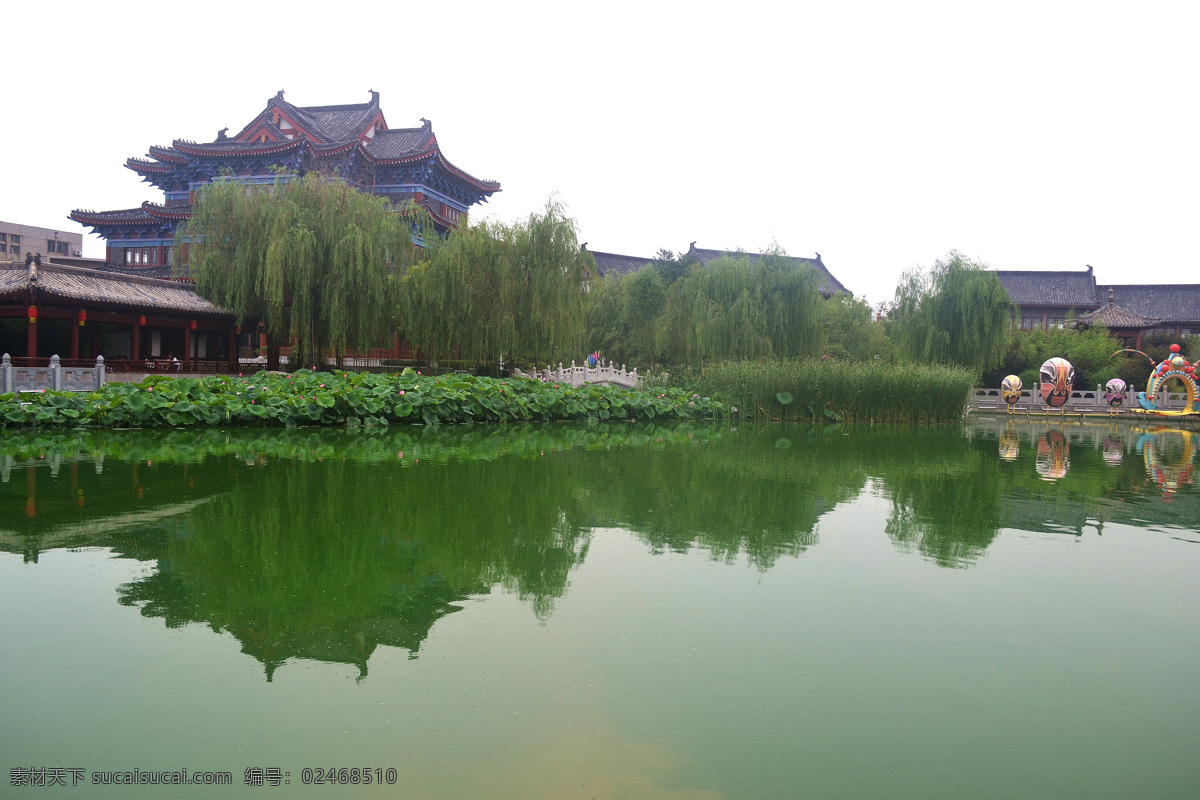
<point>682,613</point>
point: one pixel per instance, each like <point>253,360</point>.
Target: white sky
<point>1035,135</point>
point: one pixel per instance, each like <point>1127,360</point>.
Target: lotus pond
<point>689,611</point>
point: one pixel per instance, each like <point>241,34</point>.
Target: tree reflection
<point>328,544</point>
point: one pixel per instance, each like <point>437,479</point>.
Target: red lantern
<point>192,325</point>
<point>141,320</point>
<point>33,315</point>
<point>82,317</point>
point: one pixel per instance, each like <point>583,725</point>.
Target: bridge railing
<point>575,375</point>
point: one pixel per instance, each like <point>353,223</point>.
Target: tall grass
<point>836,390</point>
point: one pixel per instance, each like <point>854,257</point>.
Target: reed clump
<point>835,390</point>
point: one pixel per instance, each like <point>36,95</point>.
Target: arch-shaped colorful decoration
<point>1173,367</point>
<point>1057,378</point>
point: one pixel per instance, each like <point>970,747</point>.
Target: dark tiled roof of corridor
<point>106,288</point>
<point>616,264</point>
<point>1069,289</point>
<point>1170,302</point>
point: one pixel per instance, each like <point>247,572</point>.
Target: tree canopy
<point>310,257</point>
<point>494,289</point>
<point>956,313</point>
<point>733,308</point>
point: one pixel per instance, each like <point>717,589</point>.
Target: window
<point>50,245</point>
<point>16,248</point>
<point>3,238</point>
<point>64,248</point>
<point>16,239</point>
<point>141,256</point>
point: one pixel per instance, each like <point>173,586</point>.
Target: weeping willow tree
<point>956,313</point>
<point>734,308</point>
<point>310,257</point>
<point>494,289</point>
<point>625,314</point>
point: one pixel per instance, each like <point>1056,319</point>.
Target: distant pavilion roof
<point>826,283</point>
<point>1112,316</point>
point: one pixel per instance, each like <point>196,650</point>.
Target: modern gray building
<point>17,240</point>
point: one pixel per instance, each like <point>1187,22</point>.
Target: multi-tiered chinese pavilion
<point>352,141</point>
<point>126,311</point>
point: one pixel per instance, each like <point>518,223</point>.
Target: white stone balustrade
<point>573,375</point>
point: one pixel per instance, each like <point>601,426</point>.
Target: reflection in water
<point>326,545</point>
<point>1052,456</point>
<point>1114,451</point>
<point>1010,445</point>
<point>1168,454</point>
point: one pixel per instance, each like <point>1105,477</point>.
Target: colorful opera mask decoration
<point>1057,378</point>
<point>1010,390</point>
<point>1053,457</point>
<point>1010,446</point>
<point>1114,392</point>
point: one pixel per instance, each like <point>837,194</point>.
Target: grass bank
<point>343,398</point>
<point>837,390</point>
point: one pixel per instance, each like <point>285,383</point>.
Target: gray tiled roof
<point>614,264</point>
<point>123,215</point>
<point>162,272</point>
<point>1046,288</point>
<point>400,142</point>
<point>341,123</point>
<point>1170,302</point>
<point>826,283</point>
<point>94,287</point>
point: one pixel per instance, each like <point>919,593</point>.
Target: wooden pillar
<point>187,342</point>
<point>74,323</point>
<point>135,344</point>
<point>396,346</point>
<point>31,336</point>
<point>1138,345</point>
<point>272,355</point>
<point>233,347</point>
